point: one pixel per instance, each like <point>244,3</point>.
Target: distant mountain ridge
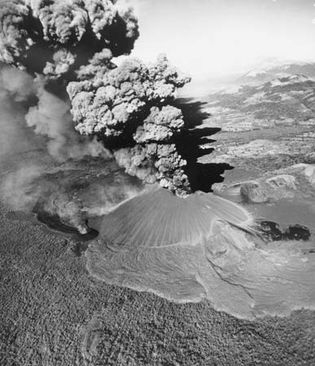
<point>266,120</point>
<point>266,72</point>
<point>269,73</point>
<point>283,99</point>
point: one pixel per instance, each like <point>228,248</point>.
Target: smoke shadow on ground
<point>194,142</point>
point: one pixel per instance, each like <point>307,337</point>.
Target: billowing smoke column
<point>128,107</point>
<point>56,37</point>
<point>131,107</point>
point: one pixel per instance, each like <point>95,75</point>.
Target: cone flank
<point>164,243</point>
<point>152,218</point>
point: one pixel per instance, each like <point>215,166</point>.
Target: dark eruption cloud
<point>52,43</point>
<point>17,92</point>
<point>29,111</point>
<point>129,108</point>
<point>38,144</point>
<point>55,38</point>
<point>75,102</point>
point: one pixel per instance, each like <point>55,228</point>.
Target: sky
<point>214,38</point>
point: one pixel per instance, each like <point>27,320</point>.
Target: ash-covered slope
<point>160,218</point>
<point>191,249</point>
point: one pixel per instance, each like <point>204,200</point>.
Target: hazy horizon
<point>217,38</point>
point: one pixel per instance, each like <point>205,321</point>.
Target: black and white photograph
<point>157,182</point>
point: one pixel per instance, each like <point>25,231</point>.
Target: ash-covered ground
<point>54,313</point>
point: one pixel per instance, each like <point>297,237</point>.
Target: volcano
<point>201,247</point>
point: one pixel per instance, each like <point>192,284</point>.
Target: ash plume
<point>51,117</point>
<point>18,190</point>
<point>36,137</point>
<point>129,108</point>
<point>17,91</point>
<point>55,38</point>
<point>15,88</point>
<point>52,43</point>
